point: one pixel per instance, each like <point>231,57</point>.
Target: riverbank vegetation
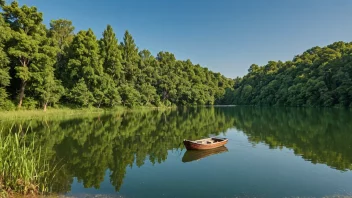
<point>41,67</point>
<point>44,67</point>
<point>24,168</point>
<point>320,77</point>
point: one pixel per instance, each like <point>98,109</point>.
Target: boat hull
<point>191,145</point>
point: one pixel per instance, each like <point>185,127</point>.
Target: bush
<point>29,103</point>
<point>7,105</point>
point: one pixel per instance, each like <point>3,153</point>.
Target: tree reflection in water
<point>85,147</point>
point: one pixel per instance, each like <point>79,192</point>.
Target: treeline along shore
<point>53,66</point>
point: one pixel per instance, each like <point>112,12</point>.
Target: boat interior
<point>208,141</point>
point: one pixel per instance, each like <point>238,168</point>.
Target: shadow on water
<point>194,155</point>
<point>85,147</point>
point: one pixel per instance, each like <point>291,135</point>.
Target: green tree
<point>4,64</point>
<point>130,96</point>
<point>49,89</point>
<point>27,43</point>
<point>81,95</point>
<point>61,31</point>
<point>113,74</point>
<point>148,94</point>
<point>321,76</point>
<point>130,57</point>
<point>111,55</point>
<point>85,63</point>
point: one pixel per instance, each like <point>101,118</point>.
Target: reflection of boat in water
<point>203,144</point>
<point>192,155</point>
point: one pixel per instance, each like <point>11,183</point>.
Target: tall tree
<point>85,63</point>
<point>130,57</point>
<point>28,34</point>
<point>4,62</point>
<point>61,31</point>
<point>47,88</point>
<point>111,55</point>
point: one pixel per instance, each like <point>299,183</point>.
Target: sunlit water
<point>272,152</point>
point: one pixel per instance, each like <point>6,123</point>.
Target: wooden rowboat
<point>203,144</point>
<point>193,155</point>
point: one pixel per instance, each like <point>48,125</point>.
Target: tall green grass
<point>19,114</point>
<point>65,112</point>
<point>23,166</point>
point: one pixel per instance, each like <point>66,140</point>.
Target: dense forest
<point>318,77</point>
<point>41,67</point>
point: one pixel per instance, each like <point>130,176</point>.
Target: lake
<point>272,152</point>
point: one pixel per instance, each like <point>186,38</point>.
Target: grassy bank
<point>8,115</point>
<point>23,168</point>
<point>63,112</point>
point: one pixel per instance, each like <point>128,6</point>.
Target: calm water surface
<point>272,152</point>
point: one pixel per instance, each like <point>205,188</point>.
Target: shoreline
<point>60,112</point>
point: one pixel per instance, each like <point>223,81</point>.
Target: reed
<point>23,168</point>
<point>25,114</point>
<point>65,112</point>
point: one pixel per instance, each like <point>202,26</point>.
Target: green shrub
<point>29,103</point>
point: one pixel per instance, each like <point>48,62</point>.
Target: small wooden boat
<point>193,155</point>
<point>203,144</point>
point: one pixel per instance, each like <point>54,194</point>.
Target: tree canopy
<point>321,76</point>
<point>43,67</point>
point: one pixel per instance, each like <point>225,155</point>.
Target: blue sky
<point>226,36</point>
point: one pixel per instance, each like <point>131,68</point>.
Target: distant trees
<point>318,77</point>
<point>42,67</point>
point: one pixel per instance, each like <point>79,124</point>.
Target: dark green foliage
<point>54,65</point>
<point>130,57</point>
<point>61,31</point>
<point>111,55</point>
<point>81,95</point>
<point>32,55</point>
<point>318,77</point>
<point>4,66</point>
<point>28,33</point>
<point>130,96</point>
<point>114,74</point>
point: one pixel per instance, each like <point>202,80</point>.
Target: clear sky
<point>226,36</point>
